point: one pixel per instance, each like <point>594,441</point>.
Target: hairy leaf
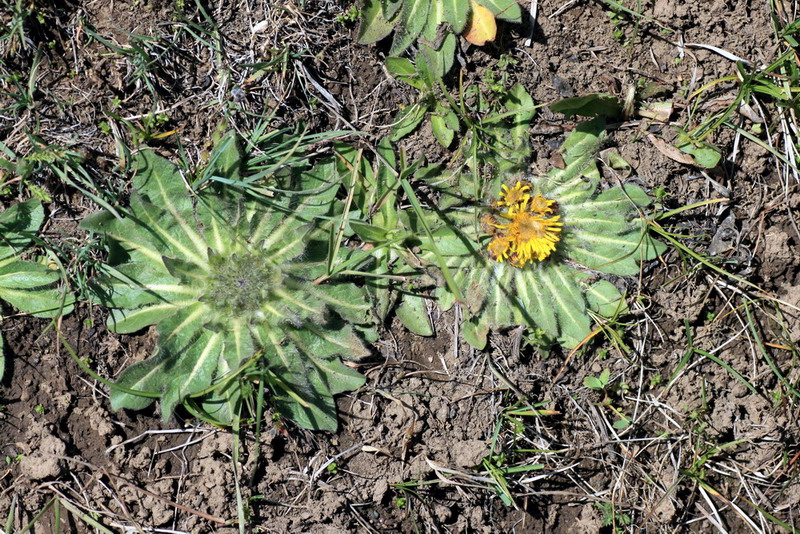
<point>413,16</point>
<point>227,280</point>
<point>413,313</point>
<point>505,9</point>
<point>374,25</point>
<point>602,232</point>
<point>28,286</point>
<point>594,105</point>
<point>18,224</point>
<point>456,12</point>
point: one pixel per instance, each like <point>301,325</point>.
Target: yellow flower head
<point>539,204</point>
<point>531,231</point>
<point>515,195</point>
<point>533,236</point>
<point>499,248</point>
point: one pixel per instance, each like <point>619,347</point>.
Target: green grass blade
<point>763,351</point>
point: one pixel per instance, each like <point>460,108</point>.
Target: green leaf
<point>407,121</point>
<point>475,334</point>
<point>133,285</point>
<point>391,8</point>
<point>520,102</point>
<point>146,377</point>
<point>556,296</point>
<point>26,275</point>
<point>306,374</point>
<point>403,69</point>
<point>436,16</point>
<point>369,233</point>
<point>159,181</point>
<point>577,181</point>
<point>592,382</point>
<point>597,383</point>
<point>604,298</point>
<point>197,352</point>
<point>442,264</point>
<point>353,306</point>
<point>448,52</point>
<point>123,321</point>
<point>583,141</point>
<point>592,105</point>
<point>26,285</point>
<point>226,158</point>
<point>163,207</point>
<point>430,64</point>
<point>47,303</point>
<point>705,154</point>
<point>442,130</point>
<point>601,233</point>
<point>400,66</point>
<point>570,305</point>
<point>184,363</point>
<point>621,424</point>
<point>413,313</point>
<point>448,240</point>
<point>18,225</point>
<point>413,16</point>
<point>224,403</point>
<point>226,277</point>
<point>186,272</point>
<point>456,13</point>
<point>149,232</point>
<point>374,25</point>
<point>504,9</point>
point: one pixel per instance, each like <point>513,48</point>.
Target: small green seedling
<point>597,383</point>
<point>351,15</point>
<point>612,516</point>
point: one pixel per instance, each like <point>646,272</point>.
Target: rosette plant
<point>227,279</point>
<point>540,252</point>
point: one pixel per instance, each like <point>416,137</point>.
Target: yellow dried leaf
<point>482,26</point>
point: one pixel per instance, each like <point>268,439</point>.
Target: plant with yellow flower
<point>544,252</point>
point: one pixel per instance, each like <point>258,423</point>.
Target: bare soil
<point>410,452</point>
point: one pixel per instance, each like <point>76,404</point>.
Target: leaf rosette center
<point>239,284</point>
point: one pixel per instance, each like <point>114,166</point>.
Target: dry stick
<point>572,353</point>
<point>361,521</point>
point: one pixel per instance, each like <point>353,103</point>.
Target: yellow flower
<point>514,196</point>
<point>499,248</point>
<point>531,232</point>
<point>533,237</point>
<point>539,204</point>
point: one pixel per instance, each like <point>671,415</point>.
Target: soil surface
<point>420,445</point>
